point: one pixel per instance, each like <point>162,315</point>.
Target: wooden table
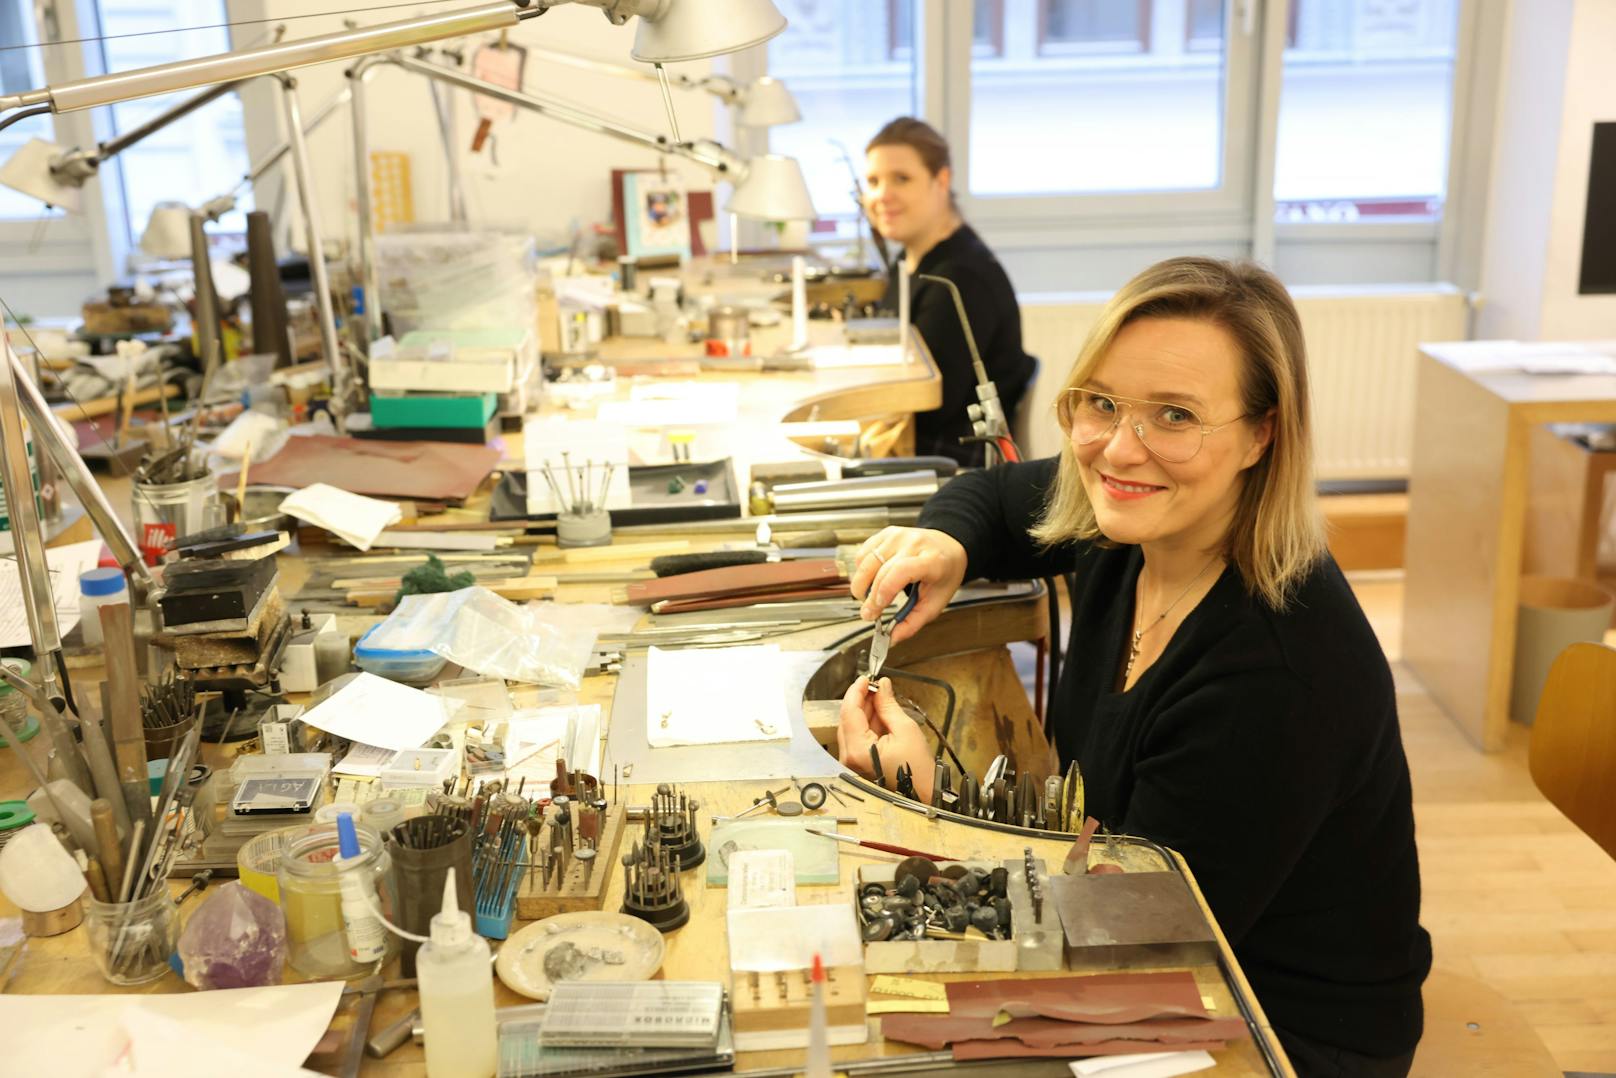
<point>1475,414</point>
<point>967,645</point>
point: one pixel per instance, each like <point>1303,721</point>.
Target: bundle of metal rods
<point>169,702</point>
<point>429,832</point>
<point>586,485</point>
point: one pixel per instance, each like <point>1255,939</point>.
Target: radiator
<point>1363,349</point>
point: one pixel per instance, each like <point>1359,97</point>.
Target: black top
<point>990,303</point>
<point>1262,746</point>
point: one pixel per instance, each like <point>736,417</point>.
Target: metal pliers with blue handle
<point>882,641</point>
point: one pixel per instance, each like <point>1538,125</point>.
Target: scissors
<point>882,641</point>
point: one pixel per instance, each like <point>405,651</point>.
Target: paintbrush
<point>884,847</point>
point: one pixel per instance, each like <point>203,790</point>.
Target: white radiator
<point>1363,348</point>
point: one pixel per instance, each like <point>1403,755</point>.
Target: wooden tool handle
<point>106,838</point>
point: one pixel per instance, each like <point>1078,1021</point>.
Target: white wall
<point>1557,83</point>
<point>548,174</point>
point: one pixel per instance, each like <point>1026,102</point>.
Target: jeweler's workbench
<point>967,646</point>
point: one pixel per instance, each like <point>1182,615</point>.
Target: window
<point>1078,26</point>
<point>20,69</point>
<point>195,158</point>
<point>1365,110</point>
<point>841,62</point>
<point>1099,102</point>
<point>987,28</point>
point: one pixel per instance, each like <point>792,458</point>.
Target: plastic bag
<point>490,635</point>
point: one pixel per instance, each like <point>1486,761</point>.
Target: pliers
<point>881,642</point>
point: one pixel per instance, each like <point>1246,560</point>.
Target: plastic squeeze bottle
<point>456,985</point>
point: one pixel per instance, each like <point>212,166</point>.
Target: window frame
<point>1139,46</point>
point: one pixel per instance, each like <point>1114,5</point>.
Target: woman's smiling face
<point>1139,497</point>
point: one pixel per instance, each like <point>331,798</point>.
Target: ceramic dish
<point>585,945</point>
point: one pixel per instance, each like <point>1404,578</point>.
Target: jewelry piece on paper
<point>666,715</point>
<point>764,727</point>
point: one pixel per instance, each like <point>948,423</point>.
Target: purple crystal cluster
<point>235,939</point>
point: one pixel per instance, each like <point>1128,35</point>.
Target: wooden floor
<point>1513,893</point>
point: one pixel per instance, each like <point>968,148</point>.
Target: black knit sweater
<point>990,303</point>
<point>1263,746</point>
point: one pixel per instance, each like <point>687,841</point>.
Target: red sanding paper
<point>425,471</point>
<point>1111,998</point>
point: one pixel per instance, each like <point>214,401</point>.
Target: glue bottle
<point>367,942</point>
<point>456,985</point>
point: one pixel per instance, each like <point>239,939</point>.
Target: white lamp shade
<point>773,190</point>
<point>768,103</point>
<point>29,171</point>
<point>168,232</point>
<point>693,29</point>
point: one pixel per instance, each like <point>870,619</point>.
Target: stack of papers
<point>65,564</point>
<point>352,517</point>
<point>381,714</point>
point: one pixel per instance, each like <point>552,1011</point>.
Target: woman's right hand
<point>895,558</point>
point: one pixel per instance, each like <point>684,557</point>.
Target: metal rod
<point>369,292</point>
<point>667,101</point>
<point>161,120</point>
<point>207,302</point>
<point>273,157</point>
<point>124,86</point>
<point>443,105</point>
<point>341,377</point>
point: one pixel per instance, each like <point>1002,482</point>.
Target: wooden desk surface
<point>1474,417</point>
<point>967,644</point>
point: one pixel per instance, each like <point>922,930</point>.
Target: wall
<point>547,174</point>
<point>1556,84</point>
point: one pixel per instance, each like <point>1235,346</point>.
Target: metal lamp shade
<point>29,171</point>
<point>773,190</point>
<point>768,103</point>
<point>694,29</point>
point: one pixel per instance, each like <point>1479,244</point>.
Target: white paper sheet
<point>830,356</point>
<point>365,761</point>
<point>709,696</point>
<point>65,564</point>
<point>536,737</point>
<point>783,938</point>
<point>375,711</point>
<point>352,517</point>
<point>85,1036</point>
<point>674,404</point>
<point>1144,1065</point>
<point>583,441</point>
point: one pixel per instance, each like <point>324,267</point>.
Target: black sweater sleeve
<point>989,512</point>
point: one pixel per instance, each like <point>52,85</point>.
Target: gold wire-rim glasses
<point>1067,410</point>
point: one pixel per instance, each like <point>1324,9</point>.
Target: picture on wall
<point>656,210</point>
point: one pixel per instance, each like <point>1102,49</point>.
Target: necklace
<point>1139,633</point>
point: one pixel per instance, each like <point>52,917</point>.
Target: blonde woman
<point>1224,694</point>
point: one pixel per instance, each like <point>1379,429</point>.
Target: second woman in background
<point>909,198</point>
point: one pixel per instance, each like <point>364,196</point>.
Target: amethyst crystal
<point>235,939</point>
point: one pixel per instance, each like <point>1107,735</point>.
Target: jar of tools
<point>327,937</point>
<point>131,941</point>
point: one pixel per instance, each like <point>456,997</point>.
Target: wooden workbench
<point>965,645</point>
<point>1475,411</point>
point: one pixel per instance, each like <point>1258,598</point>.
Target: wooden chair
<point>1573,753</point>
<point>1473,1031</point>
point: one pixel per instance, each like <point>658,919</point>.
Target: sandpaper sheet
<point>967,1051</point>
<point>1110,998</point>
<point>938,1031</point>
<point>426,471</point>
<point>736,580</point>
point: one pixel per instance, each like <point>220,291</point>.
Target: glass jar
<point>311,879</point>
<point>131,941</point>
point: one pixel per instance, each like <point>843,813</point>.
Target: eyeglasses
<point>1170,431</point>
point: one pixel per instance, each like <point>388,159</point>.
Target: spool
<point>14,816</point>
<point>53,922</point>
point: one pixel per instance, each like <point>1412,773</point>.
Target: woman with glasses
<point>910,201</point>
<point>1224,694</point>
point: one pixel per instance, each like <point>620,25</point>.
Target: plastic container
<point>98,588</point>
<point>311,878</point>
<point>456,983</point>
<point>131,941</point>
<point>1555,612</point>
<point>259,860</point>
<point>412,667</point>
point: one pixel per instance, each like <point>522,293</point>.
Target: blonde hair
<point>1277,535</point>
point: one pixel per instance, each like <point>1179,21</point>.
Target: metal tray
<point>648,486</point>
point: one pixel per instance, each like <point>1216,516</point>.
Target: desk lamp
<point>771,187</point>
<point>763,102</point>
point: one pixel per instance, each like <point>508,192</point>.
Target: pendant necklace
<point>1139,633</point>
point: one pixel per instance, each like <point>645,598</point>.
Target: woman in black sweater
<point>1224,695</point>
<point>910,202</point>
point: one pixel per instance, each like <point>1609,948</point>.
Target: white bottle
<point>98,588</point>
<point>456,985</point>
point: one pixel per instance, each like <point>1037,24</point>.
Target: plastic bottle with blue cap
<point>456,982</point>
<point>367,941</point>
<point>98,588</point>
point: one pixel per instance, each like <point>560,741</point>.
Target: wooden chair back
<point>1573,752</point>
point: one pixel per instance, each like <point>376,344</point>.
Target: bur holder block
<point>534,900</point>
<point>781,1002</point>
